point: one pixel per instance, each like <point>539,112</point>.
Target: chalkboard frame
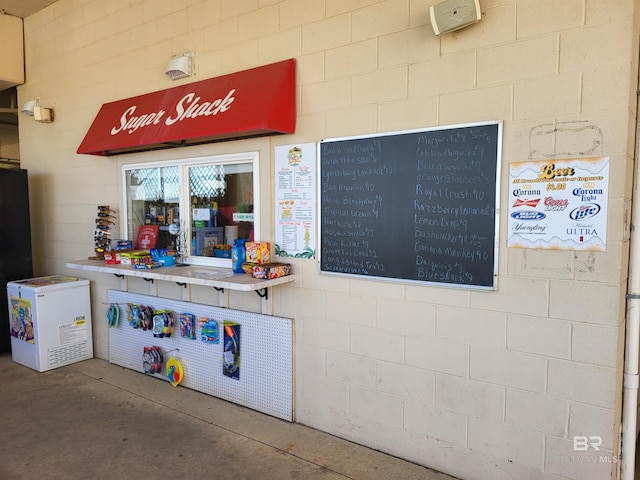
<point>495,160</point>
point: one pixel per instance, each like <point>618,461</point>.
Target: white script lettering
<point>189,106</point>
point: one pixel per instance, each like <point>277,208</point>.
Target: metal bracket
<point>119,275</point>
<point>182,284</point>
<point>219,289</point>
<point>148,279</point>
<point>263,293</point>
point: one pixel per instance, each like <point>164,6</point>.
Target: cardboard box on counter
<point>271,270</point>
<point>258,252</point>
<point>117,257</point>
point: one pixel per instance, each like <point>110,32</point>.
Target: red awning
<point>259,101</point>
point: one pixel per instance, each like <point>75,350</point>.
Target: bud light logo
<point>584,211</point>
<point>528,215</point>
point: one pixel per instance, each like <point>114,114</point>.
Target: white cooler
<point>50,321</point>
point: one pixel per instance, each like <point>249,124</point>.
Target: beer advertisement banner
<point>559,204</point>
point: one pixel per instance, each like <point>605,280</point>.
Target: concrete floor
<point>94,420</point>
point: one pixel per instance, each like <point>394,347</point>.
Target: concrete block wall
<point>482,385</point>
<point>12,54</point>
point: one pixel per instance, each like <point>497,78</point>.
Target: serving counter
<point>221,279</point>
<point>263,380</point>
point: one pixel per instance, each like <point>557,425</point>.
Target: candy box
<point>258,252</point>
<point>146,266</point>
<point>112,257</point>
<point>138,259</point>
<point>127,256</point>
<point>271,270</point>
<point>116,257</point>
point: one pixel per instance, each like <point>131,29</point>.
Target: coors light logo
<point>555,204</point>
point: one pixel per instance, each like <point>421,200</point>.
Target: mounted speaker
<point>452,15</point>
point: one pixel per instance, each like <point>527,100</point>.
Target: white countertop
<point>191,274</point>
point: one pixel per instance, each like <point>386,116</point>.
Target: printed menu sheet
<point>295,177</point>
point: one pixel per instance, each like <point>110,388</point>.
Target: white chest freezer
<point>50,321</point>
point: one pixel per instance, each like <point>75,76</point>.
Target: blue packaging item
<point>124,244</point>
<point>209,332</point>
<point>238,255</point>
<point>188,326</point>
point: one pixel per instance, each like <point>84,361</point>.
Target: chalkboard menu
<point>415,206</point>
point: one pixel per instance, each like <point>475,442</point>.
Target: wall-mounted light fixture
<point>28,107</point>
<point>180,66</point>
<point>33,109</point>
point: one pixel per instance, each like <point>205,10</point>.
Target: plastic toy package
<point>140,316</point>
<point>152,360</point>
<point>209,331</point>
<point>187,326</point>
<point>163,322</point>
<point>231,350</point>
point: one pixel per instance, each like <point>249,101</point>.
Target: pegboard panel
<point>266,353</point>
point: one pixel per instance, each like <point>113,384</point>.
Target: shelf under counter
<point>221,279</point>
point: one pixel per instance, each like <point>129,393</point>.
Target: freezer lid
<point>49,281</point>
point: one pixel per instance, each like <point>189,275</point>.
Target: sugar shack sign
<point>259,101</point>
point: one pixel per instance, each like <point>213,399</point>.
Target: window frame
<point>184,197</point>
